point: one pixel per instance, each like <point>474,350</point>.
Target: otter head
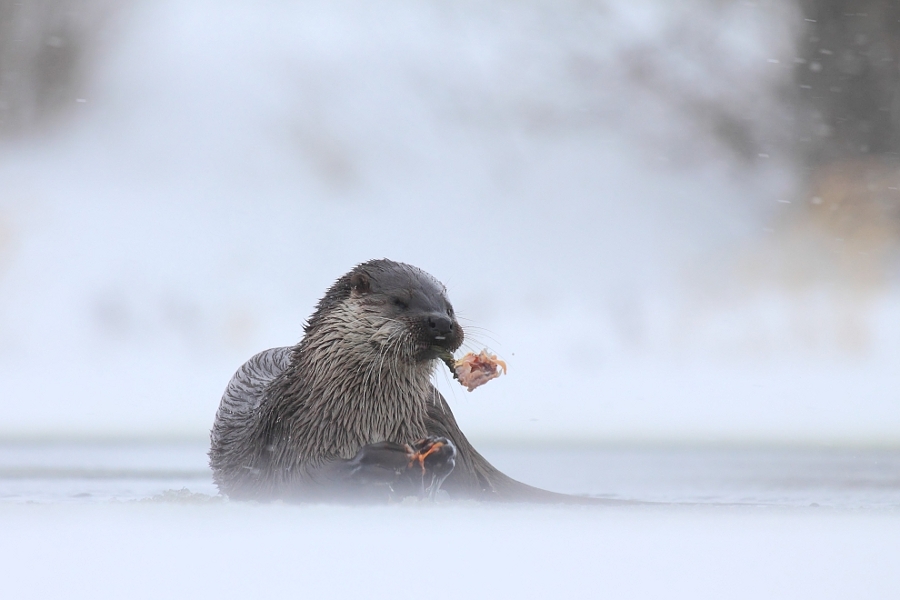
<point>390,309</point>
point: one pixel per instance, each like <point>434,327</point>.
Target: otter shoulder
<point>247,386</point>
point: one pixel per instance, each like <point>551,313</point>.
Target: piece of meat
<point>473,369</point>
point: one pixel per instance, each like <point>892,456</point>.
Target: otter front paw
<point>432,459</point>
<point>379,463</point>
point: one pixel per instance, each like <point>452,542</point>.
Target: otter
<point>350,412</point>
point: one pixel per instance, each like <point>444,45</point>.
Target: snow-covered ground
<point>834,478</point>
<point>247,551</point>
<point>113,520</point>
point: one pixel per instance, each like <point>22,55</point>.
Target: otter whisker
<point>394,338</point>
<point>474,343</point>
<point>376,364</point>
<point>477,337</point>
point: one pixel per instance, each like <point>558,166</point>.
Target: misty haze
<point>677,223</point>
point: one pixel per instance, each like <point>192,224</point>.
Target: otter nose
<point>439,325</point>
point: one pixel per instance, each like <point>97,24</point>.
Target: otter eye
<point>449,311</point>
<point>399,303</point>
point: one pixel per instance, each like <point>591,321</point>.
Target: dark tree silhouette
<point>849,79</point>
<point>44,47</point>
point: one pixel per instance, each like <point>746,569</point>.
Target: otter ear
<point>359,283</point>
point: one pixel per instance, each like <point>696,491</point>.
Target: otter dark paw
<point>403,469</point>
<point>432,459</point>
<point>380,463</point>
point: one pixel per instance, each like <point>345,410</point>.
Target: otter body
<point>350,410</point>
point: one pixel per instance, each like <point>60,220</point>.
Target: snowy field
<point>116,521</point>
<point>796,477</point>
<point>246,551</point>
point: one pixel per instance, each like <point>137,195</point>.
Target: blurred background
<point>677,222</point>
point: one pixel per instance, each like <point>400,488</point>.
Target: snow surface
<point>253,551</point>
<point>113,520</point>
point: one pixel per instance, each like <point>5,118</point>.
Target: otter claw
<point>434,458</point>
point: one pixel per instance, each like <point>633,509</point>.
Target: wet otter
<point>351,411</point>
